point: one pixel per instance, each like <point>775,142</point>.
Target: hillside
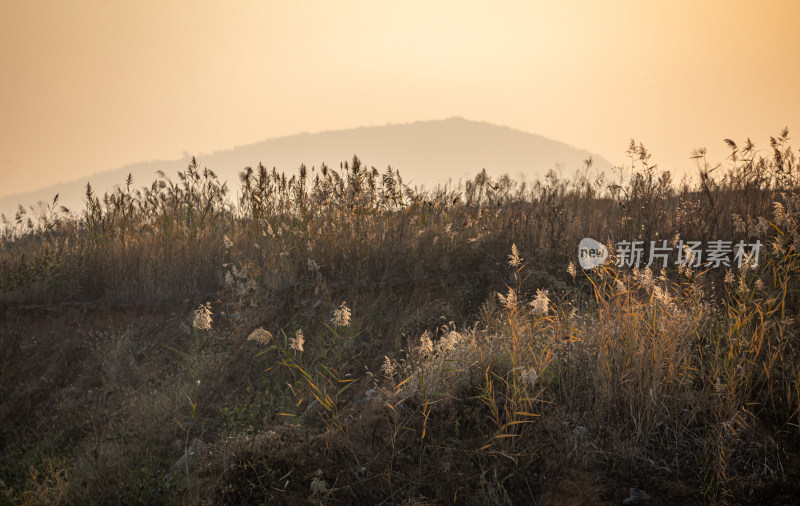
<point>426,152</point>
<point>343,338</point>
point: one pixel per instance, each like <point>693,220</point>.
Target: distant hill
<point>425,152</point>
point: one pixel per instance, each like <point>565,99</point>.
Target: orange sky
<point>94,85</point>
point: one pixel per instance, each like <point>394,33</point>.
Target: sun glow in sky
<point>88,86</point>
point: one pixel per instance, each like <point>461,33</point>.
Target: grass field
<point>335,336</point>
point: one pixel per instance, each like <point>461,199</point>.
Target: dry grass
<point>471,362</point>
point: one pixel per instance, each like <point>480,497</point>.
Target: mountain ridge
<point>426,152</point>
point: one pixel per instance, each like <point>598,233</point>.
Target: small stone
<point>636,496</point>
<point>311,410</point>
<point>188,456</point>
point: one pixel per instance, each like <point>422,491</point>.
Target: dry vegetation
<point>170,345</point>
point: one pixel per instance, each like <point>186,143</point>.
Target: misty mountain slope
<point>425,152</point>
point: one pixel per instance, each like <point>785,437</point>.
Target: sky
<point>88,86</point>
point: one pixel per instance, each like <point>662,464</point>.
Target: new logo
<point>591,253</point>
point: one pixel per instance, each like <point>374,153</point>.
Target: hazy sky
<point>89,86</point>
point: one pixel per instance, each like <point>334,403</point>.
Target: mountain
<point>425,152</point>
